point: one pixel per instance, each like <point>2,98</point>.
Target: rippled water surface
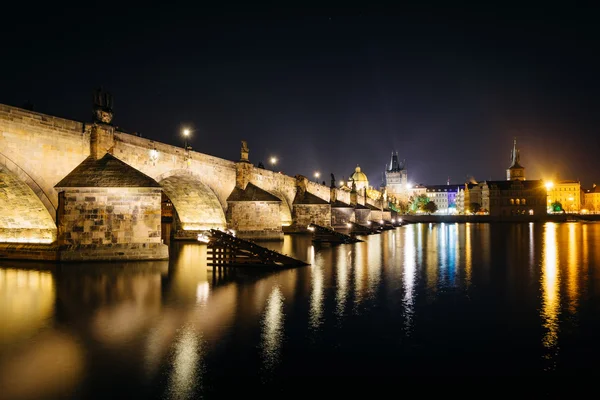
<point>424,299</point>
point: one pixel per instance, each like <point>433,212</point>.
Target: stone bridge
<point>39,152</point>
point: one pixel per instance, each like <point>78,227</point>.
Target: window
<point>523,201</point>
<point>512,201</point>
<point>518,201</point>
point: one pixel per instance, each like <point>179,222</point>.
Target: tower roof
<point>395,164</point>
<point>107,171</point>
<point>515,157</point>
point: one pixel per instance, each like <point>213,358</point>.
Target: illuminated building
<point>396,179</point>
<point>444,197</point>
<point>567,193</point>
<point>592,199</point>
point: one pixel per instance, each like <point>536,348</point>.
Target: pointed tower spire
<point>516,171</point>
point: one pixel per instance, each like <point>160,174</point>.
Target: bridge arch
<point>285,210</point>
<point>196,204</point>
<point>23,217</point>
<point>45,198</point>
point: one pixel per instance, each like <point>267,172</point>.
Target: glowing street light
<point>317,175</point>
<point>273,161</point>
<point>186,133</point>
<point>341,183</point>
<point>549,185</point>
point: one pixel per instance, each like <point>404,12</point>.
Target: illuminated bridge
<point>76,191</point>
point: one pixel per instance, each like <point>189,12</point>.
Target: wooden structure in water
<point>225,250</point>
<point>322,234</point>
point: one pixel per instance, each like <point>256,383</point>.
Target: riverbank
<point>490,218</point>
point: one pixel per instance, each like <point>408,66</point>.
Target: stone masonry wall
<point>341,216</point>
<point>305,214</point>
<point>44,148</point>
<point>110,216</point>
<point>363,216</point>
<point>255,219</point>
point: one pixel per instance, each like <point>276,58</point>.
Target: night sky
<point>447,88</point>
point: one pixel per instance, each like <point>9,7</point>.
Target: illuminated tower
<point>396,177</point>
<point>516,172</point>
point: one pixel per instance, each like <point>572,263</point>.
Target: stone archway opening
<point>23,216</point>
<point>195,206</point>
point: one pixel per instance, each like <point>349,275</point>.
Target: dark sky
<point>447,88</point>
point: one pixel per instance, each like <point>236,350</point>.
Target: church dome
<point>360,178</point>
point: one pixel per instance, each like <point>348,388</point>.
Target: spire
<point>515,156</point>
<point>394,164</point>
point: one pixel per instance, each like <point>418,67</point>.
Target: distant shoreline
<point>489,218</point>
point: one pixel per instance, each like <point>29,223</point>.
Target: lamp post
<point>273,161</point>
<point>317,174</point>
<point>186,133</point>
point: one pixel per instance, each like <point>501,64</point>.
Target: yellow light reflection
<point>550,290</point>
<point>572,269</point>
<point>432,260</point>
<point>468,255</point>
<point>374,246</point>
<point>316,297</point>
<point>185,376</point>
<point>341,293</point>
<point>358,265</point>
<point>408,276</point>
<point>50,367</point>
<point>272,328</point>
<point>26,303</point>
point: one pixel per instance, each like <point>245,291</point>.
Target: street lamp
<point>186,133</point>
<point>317,174</point>
<point>273,161</point>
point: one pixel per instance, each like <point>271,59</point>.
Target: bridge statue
<point>244,151</point>
<point>332,181</point>
<point>103,103</point>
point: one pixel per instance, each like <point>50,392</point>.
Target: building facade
<point>567,193</point>
<point>444,197</point>
<point>517,197</point>
<point>592,199</point>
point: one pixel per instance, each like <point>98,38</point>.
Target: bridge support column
<point>308,209</point>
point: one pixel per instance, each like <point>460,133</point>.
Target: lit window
<point>523,201</point>
<point>518,202</point>
<point>512,201</point>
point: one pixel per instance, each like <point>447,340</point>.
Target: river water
<point>423,299</point>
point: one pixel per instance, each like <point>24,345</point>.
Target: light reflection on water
<point>409,276</point>
<point>550,291</point>
<point>272,335</point>
<point>177,322</point>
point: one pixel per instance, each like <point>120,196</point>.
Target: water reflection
<point>358,264</point>
<point>550,292</point>
<point>316,296</point>
<point>26,303</point>
<point>374,257</point>
<point>341,292</point>
<point>408,276</point>
<point>187,365</point>
<point>468,255</point>
<point>572,268</point>
<point>169,327</point>
<point>272,329</point>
